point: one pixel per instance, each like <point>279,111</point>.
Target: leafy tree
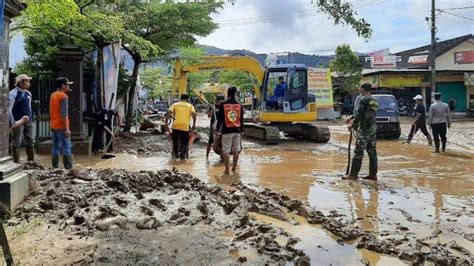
<point>150,78</point>
<point>348,67</point>
<point>239,79</point>
<point>165,26</point>
<point>343,14</point>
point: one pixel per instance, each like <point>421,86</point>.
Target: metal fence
<point>42,87</point>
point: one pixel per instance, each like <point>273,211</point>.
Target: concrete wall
<point>446,61</point>
<point>469,96</point>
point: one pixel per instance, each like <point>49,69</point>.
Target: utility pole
<point>433,47</point>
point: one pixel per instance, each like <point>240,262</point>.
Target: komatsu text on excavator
<point>294,114</point>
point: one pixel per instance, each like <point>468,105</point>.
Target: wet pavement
<point>430,196</point>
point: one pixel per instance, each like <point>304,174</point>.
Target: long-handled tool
<point>349,152</point>
<point>5,247</point>
<point>107,154</point>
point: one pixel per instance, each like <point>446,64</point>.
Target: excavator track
<point>269,134</point>
<point>316,133</point>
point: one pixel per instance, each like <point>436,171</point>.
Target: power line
<point>455,20</point>
<point>456,15</point>
<point>303,29</point>
<point>285,16</point>
<point>306,40</point>
<point>260,17</point>
<point>458,8</point>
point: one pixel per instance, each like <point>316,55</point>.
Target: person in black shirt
<point>230,121</point>
<point>104,122</point>
<point>452,105</point>
<point>420,121</point>
<point>212,113</point>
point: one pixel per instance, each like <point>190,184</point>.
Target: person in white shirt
<point>439,117</point>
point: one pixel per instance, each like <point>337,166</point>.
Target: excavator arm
<point>215,63</point>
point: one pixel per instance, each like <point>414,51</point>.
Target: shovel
<point>109,155</point>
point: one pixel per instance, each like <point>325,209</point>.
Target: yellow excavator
<point>296,112</point>
<point>209,88</point>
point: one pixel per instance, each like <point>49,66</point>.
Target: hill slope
<point>308,60</point>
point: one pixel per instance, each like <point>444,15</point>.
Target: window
<point>386,103</point>
<point>298,80</point>
<point>273,80</point>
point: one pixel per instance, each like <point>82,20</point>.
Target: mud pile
<point>150,144</point>
<point>87,202</point>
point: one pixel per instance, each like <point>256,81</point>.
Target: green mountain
<point>308,60</point>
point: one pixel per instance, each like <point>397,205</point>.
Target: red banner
<point>464,57</point>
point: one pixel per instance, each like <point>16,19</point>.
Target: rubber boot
<point>443,146</point>
<point>55,161</point>
<point>16,155</point>
<point>430,140</point>
<point>67,160</point>
<point>30,154</point>
<point>373,169</point>
<point>410,137</point>
<point>355,169</point>
<point>436,147</point>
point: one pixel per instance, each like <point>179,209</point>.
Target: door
<point>456,90</point>
<point>296,95</point>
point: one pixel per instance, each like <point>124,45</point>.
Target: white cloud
<point>296,26</point>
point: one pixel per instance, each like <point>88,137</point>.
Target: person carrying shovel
<point>364,125</point>
<point>182,112</point>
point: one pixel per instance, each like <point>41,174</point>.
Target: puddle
<point>322,247</point>
<point>418,189</point>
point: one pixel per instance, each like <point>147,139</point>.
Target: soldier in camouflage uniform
<point>365,127</point>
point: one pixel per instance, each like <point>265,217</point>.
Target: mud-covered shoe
<point>349,177</point>
<point>370,177</point>
<point>430,141</point>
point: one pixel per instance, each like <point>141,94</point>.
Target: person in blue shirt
<point>19,105</point>
<point>280,88</point>
<point>278,93</point>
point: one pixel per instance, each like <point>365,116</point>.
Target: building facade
<point>407,73</point>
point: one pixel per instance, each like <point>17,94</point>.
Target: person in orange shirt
<point>59,123</point>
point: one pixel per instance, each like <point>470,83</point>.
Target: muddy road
<point>422,203</point>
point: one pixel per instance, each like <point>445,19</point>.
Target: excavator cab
<point>296,104</point>
<point>296,95</point>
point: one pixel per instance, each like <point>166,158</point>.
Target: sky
<point>279,26</point>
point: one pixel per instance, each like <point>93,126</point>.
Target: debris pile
<point>87,201</point>
<point>153,123</point>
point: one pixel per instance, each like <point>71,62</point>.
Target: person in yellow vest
<point>182,112</point>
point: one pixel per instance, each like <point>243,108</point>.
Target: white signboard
<point>418,59</point>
